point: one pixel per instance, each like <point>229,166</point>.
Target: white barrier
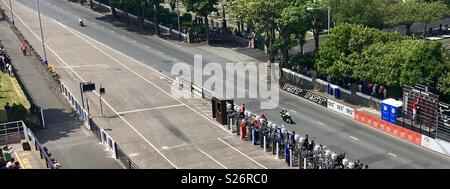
<point>436,145</point>
<point>82,113</point>
<point>108,142</point>
<point>337,107</point>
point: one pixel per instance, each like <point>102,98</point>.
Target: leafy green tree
<point>365,12</point>
<point>339,55</point>
<point>202,8</point>
<point>430,12</point>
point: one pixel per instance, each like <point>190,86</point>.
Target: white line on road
<point>78,34</point>
<point>321,123</point>
<point>146,46</point>
<point>135,41</point>
<point>293,111</point>
<point>392,154</point>
<point>354,138</point>
<point>146,109</point>
<point>212,158</point>
<point>125,121</point>
<point>81,66</point>
<point>242,153</point>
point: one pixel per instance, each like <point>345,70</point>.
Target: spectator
<point>242,110</point>
<point>374,89</point>
<point>10,70</point>
<point>16,165</point>
<point>2,62</point>
<point>359,87</point>
<point>385,92</point>
<point>380,90</point>
<point>7,110</point>
<point>24,48</point>
<point>2,162</point>
<point>10,163</point>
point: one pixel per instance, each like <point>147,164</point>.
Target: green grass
<point>11,92</point>
<point>445,41</point>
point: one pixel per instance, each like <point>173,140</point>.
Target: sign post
<point>102,92</point>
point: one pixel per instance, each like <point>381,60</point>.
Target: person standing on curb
<point>7,110</point>
<point>24,49</point>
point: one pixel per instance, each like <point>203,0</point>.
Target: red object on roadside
<point>243,130</point>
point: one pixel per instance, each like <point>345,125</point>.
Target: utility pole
<point>179,26</point>
<point>42,33</point>
<point>12,14</point>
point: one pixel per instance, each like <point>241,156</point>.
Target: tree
<point>429,12</point>
<point>340,54</point>
<point>318,21</point>
<point>202,8</point>
<point>364,12</point>
<point>402,13</point>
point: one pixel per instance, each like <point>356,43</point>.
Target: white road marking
<point>212,158</point>
<point>146,109</point>
<point>125,121</point>
<point>81,66</point>
<point>293,111</point>
<point>176,146</point>
<point>146,46</point>
<point>133,154</point>
<point>392,154</point>
<point>321,123</point>
<point>78,34</point>
<point>242,153</point>
<point>135,41</point>
<point>354,138</point>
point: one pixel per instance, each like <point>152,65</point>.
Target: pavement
<point>126,50</point>
<point>65,137</point>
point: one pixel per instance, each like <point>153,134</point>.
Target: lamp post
<point>12,14</point>
<point>179,25</point>
<point>42,33</point>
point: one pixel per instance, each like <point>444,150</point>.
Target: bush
<point>302,59</point>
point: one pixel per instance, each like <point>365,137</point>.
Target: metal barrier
<point>296,150</point>
<point>125,159</point>
<point>19,131</point>
<point>100,134</point>
<point>11,132</point>
<point>82,113</point>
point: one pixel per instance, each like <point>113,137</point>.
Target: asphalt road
<point>342,134</point>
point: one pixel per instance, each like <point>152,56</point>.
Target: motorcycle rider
<point>80,21</point>
<point>286,116</point>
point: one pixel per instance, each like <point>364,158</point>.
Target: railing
<point>82,113</point>
<point>20,131</point>
<point>126,161</point>
<point>287,145</point>
<point>11,132</point>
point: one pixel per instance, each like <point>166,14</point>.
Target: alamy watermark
<point>227,81</point>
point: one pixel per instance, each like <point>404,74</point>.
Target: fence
<point>100,134</point>
<point>294,149</point>
<point>308,83</point>
<point>15,132</point>
<point>83,115</point>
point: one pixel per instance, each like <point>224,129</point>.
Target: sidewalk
<point>65,137</point>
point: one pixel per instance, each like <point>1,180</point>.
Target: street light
<point>12,14</point>
<point>42,33</point>
<point>178,13</point>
